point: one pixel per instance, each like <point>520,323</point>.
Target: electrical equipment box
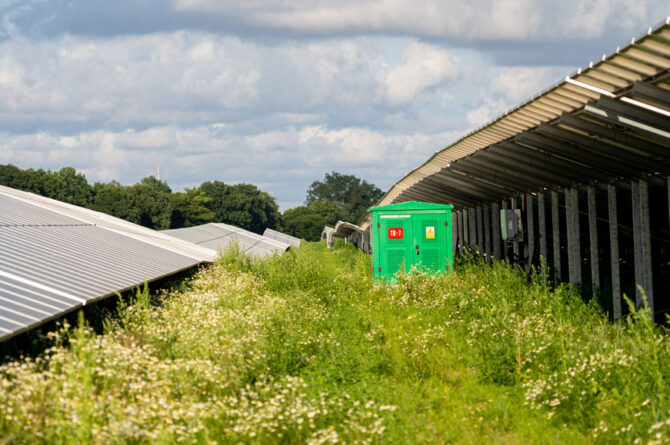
<point>411,234</point>
<point>511,225</point>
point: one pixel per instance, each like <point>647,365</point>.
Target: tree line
<point>151,202</point>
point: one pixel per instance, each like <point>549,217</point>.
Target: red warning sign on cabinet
<point>395,232</point>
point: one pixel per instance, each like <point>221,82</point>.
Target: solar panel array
<point>218,236</point>
<point>55,257</point>
<point>284,238</point>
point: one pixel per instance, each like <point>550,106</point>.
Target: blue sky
<point>277,93</point>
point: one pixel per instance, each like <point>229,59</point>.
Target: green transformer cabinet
<point>413,234</point>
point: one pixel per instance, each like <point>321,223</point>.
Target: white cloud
<point>182,77</point>
<point>279,158</point>
<point>424,66</point>
<point>516,84</point>
<point>479,116</point>
<point>476,19</point>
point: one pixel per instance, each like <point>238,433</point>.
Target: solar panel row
<point>284,238</point>
<point>55,257</point>
<point>218,236</point>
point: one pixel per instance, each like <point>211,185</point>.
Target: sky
<point>279,92</point>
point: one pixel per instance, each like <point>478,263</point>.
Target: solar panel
<point>218,236</point>
<point>46,211</point>
<point>284,238</point>
<point>55,257</point>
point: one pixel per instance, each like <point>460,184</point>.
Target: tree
<point>145,203</point>
<point>307,222</point>
<point>150,204</point>
<point>68,186</point>
<point>242,205</point>
<point>353,196</point>
<point>190,209</point>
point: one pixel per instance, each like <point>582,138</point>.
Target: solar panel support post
<point>495,222</point>
<point>461,231</point>
<point>466,229</point>
<point>487,232</point>
<point>556,235</point>
<point>515,243</point>
<point>480,229</point>
<point>531,231</point>
<point>614,251</point>
<point>645,239</point>
<point>454,232</point>
<point>637,243</point>
<point>593,239</point>
<point>541,221</point>
<point>472,219</point>
<point>572,224</point>
<point>504,244</point>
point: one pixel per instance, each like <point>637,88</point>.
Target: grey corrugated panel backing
<point>85,261</point>
<point>52,263</point>
<point>58,210</point>
<point>218,236</point>
<point>284,238</point>
<point>14,212</point>
<point>23,306</point>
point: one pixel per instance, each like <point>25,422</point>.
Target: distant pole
<point>158,173</point>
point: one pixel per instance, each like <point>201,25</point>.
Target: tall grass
<point>307,348</point>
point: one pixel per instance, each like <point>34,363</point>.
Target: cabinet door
<point>395,240</point>
<point>429,241</point>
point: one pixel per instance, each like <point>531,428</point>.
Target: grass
<point>306,348</point>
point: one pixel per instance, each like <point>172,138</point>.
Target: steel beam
<point>479,193</point>
<point>614,251</point>
<point>627,122</point>
<point>502,189</point>
<point>428,192</point>
<point>462,181</point>
<point>489,175</point>
<point>616,136</point>
<point>651,92</point>
<point>638,114</point>
<point>490,165</point>
<point>539,175</point>
<point>573,153</point>
<point>576,171</point>
<point>598,153</point>
<point>593,239</point>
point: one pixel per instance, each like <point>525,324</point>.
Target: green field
<point>306,348</point>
